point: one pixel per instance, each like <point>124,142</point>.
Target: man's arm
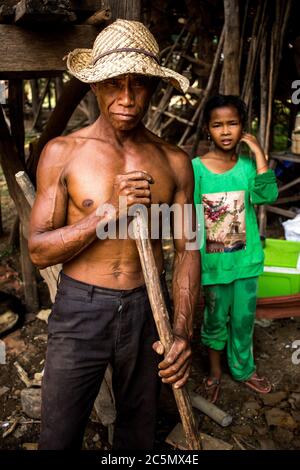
<point>186,280</point>
<point>50,240</point>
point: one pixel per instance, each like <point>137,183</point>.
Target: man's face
<point>124,100</point>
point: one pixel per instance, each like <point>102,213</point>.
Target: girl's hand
<point>255,147</point>
<point>253,144</point>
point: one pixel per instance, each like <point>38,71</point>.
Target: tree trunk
<point>231,47</point>
<point>126,9</point>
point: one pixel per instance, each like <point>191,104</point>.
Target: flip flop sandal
<point>212,389</point>
<point>259,380</point>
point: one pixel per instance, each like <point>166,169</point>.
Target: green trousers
<point>229,321</point>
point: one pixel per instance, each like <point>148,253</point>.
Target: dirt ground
<point>259,422</point>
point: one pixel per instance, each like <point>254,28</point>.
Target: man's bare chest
<point>90,181</point>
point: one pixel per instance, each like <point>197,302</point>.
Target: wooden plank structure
<point>30,54</point>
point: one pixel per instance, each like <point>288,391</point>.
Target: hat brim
<point>119,63</point>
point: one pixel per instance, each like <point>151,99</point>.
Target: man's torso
<point>88,174</point>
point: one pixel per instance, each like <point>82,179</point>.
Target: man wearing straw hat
<point>102,313</point>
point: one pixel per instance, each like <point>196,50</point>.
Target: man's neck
<point>105,131</point>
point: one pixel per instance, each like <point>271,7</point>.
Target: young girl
<point>228,186</point>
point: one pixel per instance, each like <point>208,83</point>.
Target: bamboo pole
<point>161,318</point>
<point>270,94</point>
<point>199,114</point>
<point>263,91</point>
<point>245,16</point>
<point>231,47</point>
<point>153,122</point>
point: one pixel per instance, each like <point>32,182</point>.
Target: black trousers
<point>90,327</point>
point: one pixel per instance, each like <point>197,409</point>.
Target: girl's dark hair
<point>219,101</point>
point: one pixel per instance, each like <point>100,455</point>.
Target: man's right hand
<point>134,186</point>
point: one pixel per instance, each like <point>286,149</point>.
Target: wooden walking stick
<point>161,317</point>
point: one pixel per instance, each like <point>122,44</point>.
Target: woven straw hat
<point>122,47</point>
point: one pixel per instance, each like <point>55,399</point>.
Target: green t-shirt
<point>227,226</point>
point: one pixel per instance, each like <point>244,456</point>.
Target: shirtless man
<point>101,313</point>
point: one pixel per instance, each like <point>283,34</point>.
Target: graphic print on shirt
<point>225,221</point>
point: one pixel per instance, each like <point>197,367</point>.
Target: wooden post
<point>127,9</point>
<point>40,104</point>
<point>59,86</point>
<point>161,317</point>
<point>16,115</point>
<point>11,164</point>
<point>34,85</point>
<point>231,47</point>
<point>28,276</point>
<point>14,236</point>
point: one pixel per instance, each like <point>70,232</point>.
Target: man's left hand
<point>175,367</point>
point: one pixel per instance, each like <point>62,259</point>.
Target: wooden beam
<point>291,157</point>
<point>289,185</point>
<point>278,210</point>
<point>286,200</point>
<point>28,53</point>
<point>278,307</point>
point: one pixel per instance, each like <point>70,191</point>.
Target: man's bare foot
<point>259,384</point>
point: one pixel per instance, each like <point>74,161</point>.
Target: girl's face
<point>225,127</point>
